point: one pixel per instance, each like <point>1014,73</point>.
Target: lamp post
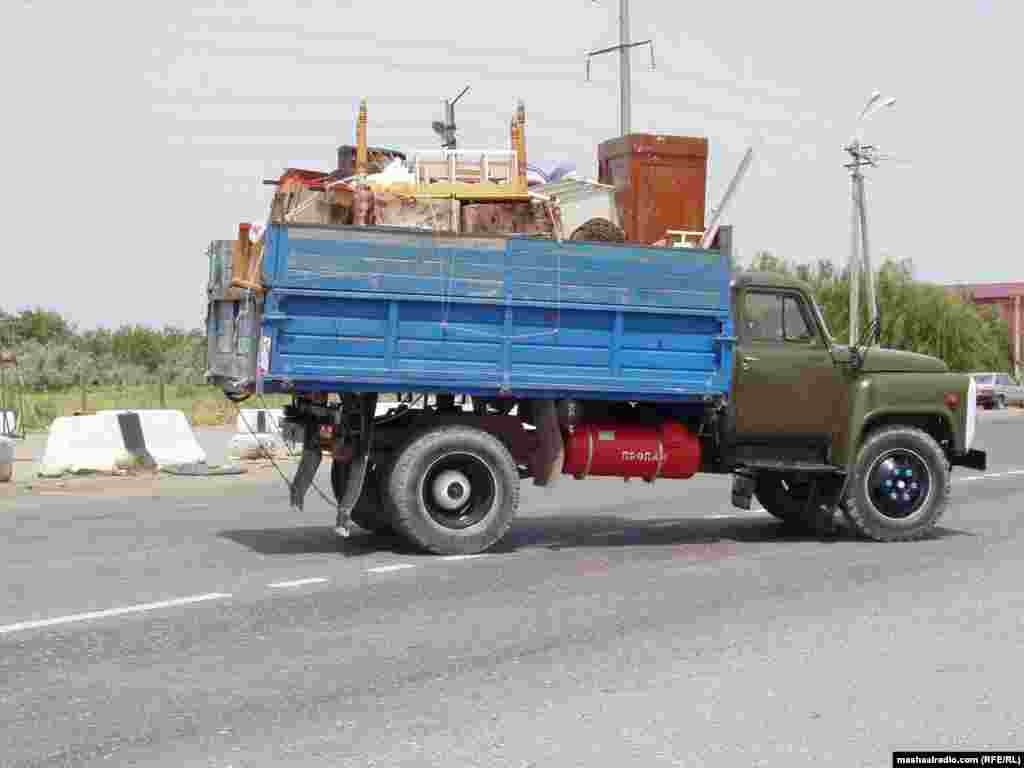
<point>860,254</point>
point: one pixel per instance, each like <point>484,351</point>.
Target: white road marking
<point>989,476</point>
<point>389,568</point>
<point>112,612</point>
<point>460,557</point>
<point>298,582</point>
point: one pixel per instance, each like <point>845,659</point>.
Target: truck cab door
<point>790,398</point>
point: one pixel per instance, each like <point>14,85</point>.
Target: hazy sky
<point>136,132</point>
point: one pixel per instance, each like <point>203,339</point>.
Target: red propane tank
<point>669,450</point>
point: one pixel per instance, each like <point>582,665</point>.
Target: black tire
<point>599,230</point>
<point>781,496</point>
<point>1001,403</point>
<point>456,462</point>
<point>371,512</point>
<point>925,491</point>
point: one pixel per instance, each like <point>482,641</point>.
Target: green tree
<point>140,346</point>
<point>915,316</point>
<point>42,325</point>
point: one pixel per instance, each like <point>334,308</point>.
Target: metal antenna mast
<point>860,254</point>
<point>625,75</point>
<point>445,127</point>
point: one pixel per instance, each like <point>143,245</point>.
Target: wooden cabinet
<point>660,183</point>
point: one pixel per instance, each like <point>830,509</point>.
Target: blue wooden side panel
<point>398,310</point>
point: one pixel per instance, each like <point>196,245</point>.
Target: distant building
<point>1008,297</point>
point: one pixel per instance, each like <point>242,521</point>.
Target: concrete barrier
<point>258,432</point>
<point>8,423</point>
<point>111,440</point>
<point>166,436</point>
<point>6,459</point>
<point>266,421</point>
<point>84,443</point>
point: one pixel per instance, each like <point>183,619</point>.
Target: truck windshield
<point>984,378</point>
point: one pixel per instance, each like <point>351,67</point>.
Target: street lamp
<point>862,154</point>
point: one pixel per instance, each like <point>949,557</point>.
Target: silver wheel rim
<point>459,490</point>
<point>920,503</point>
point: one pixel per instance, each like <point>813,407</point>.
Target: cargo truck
<point>579,360</point>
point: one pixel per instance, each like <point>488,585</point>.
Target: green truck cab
<point>815,424</point>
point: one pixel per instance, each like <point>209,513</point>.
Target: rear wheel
<point>454,489</point>
<point>900,485</point>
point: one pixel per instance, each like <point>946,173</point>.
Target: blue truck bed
<point>398,310</point>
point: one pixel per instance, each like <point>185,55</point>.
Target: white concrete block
<point>8,423</point>
<point>6,459</point>
<point>247,446</point>
<point>83,443</point>
<point>168,436</point>
<point>251,416</point>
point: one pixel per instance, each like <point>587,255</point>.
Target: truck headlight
<point>972,413</point>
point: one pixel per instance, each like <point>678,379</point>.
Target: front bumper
<point>973,459</point>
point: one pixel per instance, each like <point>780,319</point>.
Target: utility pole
<point>625,76</point>
<point>625,71</point>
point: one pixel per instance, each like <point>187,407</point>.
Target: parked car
<point>998,390</point>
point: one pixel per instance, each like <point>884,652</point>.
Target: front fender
<point>917,399</point>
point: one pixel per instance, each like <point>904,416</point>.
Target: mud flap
<point>308,465</point>
<point>550,456</point>
<point>360,462</point>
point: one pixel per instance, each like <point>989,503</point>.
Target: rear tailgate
<point>232,324</point>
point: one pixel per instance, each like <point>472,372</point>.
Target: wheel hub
<point>899,484</point>
<point>458,490</point>
<point>451,490</point>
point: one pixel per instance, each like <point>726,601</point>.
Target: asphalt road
<point>616,625</point>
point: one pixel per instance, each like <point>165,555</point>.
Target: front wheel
<point>454,490</point>
<point>900,485</point>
